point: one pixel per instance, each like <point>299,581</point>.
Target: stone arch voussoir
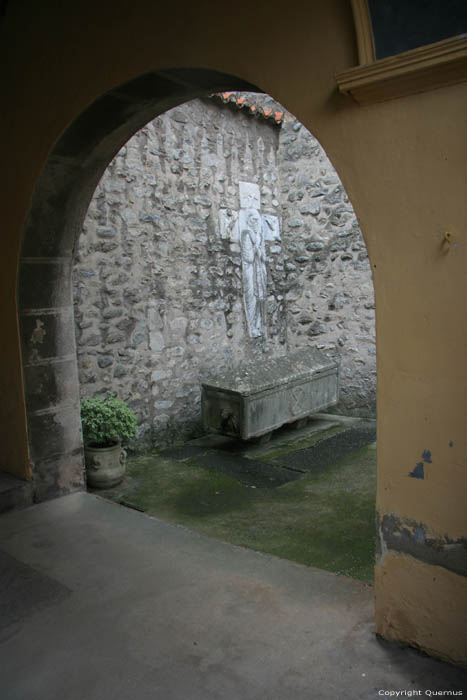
<point>59,205</point>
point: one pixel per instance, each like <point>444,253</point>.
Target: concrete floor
<point>99,601</point>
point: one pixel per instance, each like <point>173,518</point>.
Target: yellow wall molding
<point>418,70</point>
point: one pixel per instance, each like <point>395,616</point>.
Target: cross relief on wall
<point>250,228</point>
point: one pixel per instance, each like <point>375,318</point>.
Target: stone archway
<point>58,207</point>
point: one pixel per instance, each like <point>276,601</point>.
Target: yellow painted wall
<point>407,585</point>
<point>402,163</point>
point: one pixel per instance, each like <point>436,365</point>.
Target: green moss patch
<point>324,519</point>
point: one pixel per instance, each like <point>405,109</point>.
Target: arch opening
<point>58,467</point>
<point>159,279</point>
<point>296,277</point>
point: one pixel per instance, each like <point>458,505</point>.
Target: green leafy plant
<point>106,420</point>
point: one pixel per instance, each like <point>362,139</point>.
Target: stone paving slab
<point>280,470</point>
<point>282,437</point>
<point>246,471</point>
<point>328,450</point>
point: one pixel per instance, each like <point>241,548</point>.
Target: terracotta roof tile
<point>253,109</point>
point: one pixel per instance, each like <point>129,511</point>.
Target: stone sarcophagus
<point>255,398</point>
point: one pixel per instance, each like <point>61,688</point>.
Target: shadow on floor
<point>133,608</point>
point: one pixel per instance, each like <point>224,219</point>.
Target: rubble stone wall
<point>158,269</point>
<point>330,300</point>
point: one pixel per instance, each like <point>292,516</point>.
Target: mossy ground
<point>325,519</point>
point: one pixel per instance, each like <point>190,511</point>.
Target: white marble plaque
<point>228,220</point>
<point>249,195</point>
<point>271,227</point>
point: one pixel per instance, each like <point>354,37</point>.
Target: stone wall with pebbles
<point>158,269</point>
<point>330,301</point>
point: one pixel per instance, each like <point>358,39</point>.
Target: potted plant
<point>107,422</point>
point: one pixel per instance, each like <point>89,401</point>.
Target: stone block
<point>47,230</point>
<point>255,398</point>
<point>51,384</point>
<point>47,335</point>
<point>59,475</point>
<point>105,361</point>
<point>54,432</point>
<point>104,116</point>
<point>45,284</point>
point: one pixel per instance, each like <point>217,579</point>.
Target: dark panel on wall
<point>399,25</point>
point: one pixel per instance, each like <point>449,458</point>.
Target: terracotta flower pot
<point>105,466</point>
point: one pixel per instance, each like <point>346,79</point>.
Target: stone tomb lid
<point>253,377</point>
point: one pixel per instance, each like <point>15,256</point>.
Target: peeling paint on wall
<point>415,539</point>
<point>419,471</point>
<point>426,456</point>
